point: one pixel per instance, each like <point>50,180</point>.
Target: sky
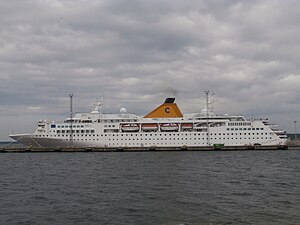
<point>137,53</point>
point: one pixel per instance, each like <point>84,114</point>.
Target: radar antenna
<point>96,108</point>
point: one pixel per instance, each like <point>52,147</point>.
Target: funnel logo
<point>167,110</point>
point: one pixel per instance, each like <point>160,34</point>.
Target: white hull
<point>32,141</point>
<point>141,140</point>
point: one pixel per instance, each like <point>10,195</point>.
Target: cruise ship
<point>165,127</point>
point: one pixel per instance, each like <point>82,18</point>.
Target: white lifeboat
<point>199,125</point>
<point>130,127</point>
<point>186,126</point>
<point>149,127</point>
<point>169,127</point>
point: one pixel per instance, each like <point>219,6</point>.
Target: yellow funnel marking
<point>166,110</point>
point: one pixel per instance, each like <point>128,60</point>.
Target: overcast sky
<point>137,53</point>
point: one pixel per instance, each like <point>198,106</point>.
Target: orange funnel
<point>168,109</point>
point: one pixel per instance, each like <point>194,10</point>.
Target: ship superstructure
<point>165,126</point>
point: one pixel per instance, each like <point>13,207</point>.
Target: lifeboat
<point>130,127</point>
<point>169,127</point>
<point>186,126</point>
<point>199,125</point>
<point>149,127</point>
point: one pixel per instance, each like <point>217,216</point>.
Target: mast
<point>207,119</point>
<point>295,122</point>
<point>71,120</point>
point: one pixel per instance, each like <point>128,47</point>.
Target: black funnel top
<point>170,100</point>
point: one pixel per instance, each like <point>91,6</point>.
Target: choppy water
<point>155,188</point>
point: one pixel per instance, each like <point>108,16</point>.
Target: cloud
<point>136,53</point>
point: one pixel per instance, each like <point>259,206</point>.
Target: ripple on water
<point>164,188</point>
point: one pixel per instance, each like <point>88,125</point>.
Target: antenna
<point>100,104</point>
<point>295,122</point>
<point>207,120</point>
<point>212,102</point>
<point>71,120</point>
<point>96,108</point>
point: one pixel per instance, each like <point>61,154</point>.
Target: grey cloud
<point>136,53</point>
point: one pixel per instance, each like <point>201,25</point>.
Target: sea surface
<point>155,188</point>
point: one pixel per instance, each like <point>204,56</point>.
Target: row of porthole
<point>224,138</point>
<point>151,144</point>
<point>161,139</point>
<point>187,139</point>
<point>174,134</point>
<point>178,134</point>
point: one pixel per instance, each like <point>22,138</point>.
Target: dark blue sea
<point>151,188</point>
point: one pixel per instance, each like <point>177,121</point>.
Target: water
<point>155,188</point>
